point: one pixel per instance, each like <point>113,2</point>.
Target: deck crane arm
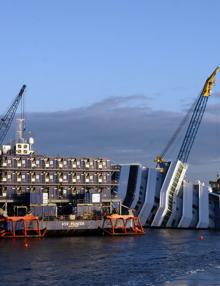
<point>197,110</point>
<point>196,118</point>
<point>7,119</point>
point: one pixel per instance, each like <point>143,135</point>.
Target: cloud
<point>216,95</point>
<point>125,129</point>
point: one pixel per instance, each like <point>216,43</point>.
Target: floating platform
<point>30,226</point>
<point>122,225</point>
<point>21,227</point>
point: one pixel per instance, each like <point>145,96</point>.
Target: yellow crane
<point>198,109</point>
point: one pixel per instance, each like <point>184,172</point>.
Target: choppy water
<point>161,257</point>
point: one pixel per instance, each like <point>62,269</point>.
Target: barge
<point>67,194</point>
<point>63,195</point>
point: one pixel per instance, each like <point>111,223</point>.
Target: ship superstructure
<point>192,204</point>
<point>51,186</point>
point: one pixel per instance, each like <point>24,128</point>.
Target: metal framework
<point>122,225</point>
<point>197,110</point>
<point>192,129</point>
<point>196,118</point>
<point>6,121</point>
<point>21,227</point>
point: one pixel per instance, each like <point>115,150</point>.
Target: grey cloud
<point>124,129</point>
<point>216,94</point>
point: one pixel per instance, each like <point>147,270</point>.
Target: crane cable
<point>176,133</point>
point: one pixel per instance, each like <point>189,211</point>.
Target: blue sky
<point>112,78</point>
<point>75,53</point>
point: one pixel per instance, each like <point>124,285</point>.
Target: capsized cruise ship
<point>168,199</point>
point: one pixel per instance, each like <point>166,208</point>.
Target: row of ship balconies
<point>56,177</point>
<point>8,192</point>
<point>54,163</point>
<point>52,189</point>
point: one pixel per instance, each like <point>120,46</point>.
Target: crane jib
<point>192,129</point>
<point>197,114</point>
<point>6,121</point>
